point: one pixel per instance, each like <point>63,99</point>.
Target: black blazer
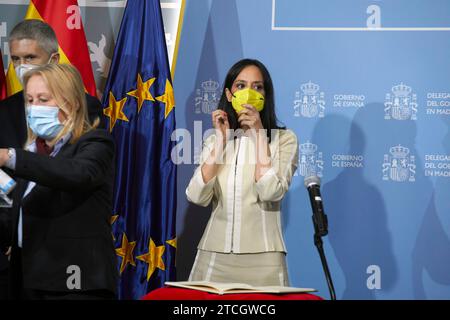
<point>13,134</point>
<point>66,216</point>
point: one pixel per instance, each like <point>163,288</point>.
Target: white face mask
<point>21,69</point>
<point>44,121</point>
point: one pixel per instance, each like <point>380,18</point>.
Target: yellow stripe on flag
<point>177,42</point>
<point>32,13</point>
<point>12,83</point>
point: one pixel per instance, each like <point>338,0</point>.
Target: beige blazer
<point>245,214</point>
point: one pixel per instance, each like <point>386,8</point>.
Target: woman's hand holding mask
<point>249,118</point>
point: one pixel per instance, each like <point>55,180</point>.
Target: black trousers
<point>4,279</point>
<point>4,273</point>
<point>19,292</point>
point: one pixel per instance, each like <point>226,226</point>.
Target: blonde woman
<point>62,246</point>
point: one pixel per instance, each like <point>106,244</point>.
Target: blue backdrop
<point>366,87</point>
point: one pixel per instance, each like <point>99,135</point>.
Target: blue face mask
<point>43,121</point>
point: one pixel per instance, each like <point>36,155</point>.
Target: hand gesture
<point>249,118</point>
<point>221,124</point>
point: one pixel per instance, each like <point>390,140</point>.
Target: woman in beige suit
<point>245,170</point>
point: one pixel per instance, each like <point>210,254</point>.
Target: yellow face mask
<point>247,96</point>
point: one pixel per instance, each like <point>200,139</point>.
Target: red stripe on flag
<point>71,37</point>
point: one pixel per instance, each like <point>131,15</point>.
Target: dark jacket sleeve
<point>13,126</point>
<point>85,171</point>
<point>95,110</point>
<point>5,229</point>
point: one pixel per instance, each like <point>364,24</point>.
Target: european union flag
<point>139,103</point>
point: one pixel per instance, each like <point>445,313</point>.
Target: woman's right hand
<point>221,124</point>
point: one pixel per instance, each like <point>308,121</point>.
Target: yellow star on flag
<point>168,98</point>
<point>126,252</point>
<point>142,92</point>
<point>115,111</point>
<point>111,221</point>
<point>172,242</point>
<point>153,258</point>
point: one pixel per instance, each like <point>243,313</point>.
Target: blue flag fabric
<point>139,104</point>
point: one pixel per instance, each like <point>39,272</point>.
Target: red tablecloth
<point>171,293</point>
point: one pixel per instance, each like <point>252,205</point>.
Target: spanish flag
<point>2,79</point>
<point>65,18</point>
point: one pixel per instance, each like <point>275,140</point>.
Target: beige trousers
<point>256,269</point>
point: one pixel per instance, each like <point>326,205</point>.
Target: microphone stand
<point>319,244</point>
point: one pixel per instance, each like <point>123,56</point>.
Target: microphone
<point>320,220</point>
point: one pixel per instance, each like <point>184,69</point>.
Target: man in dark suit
<point>31,43</point>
